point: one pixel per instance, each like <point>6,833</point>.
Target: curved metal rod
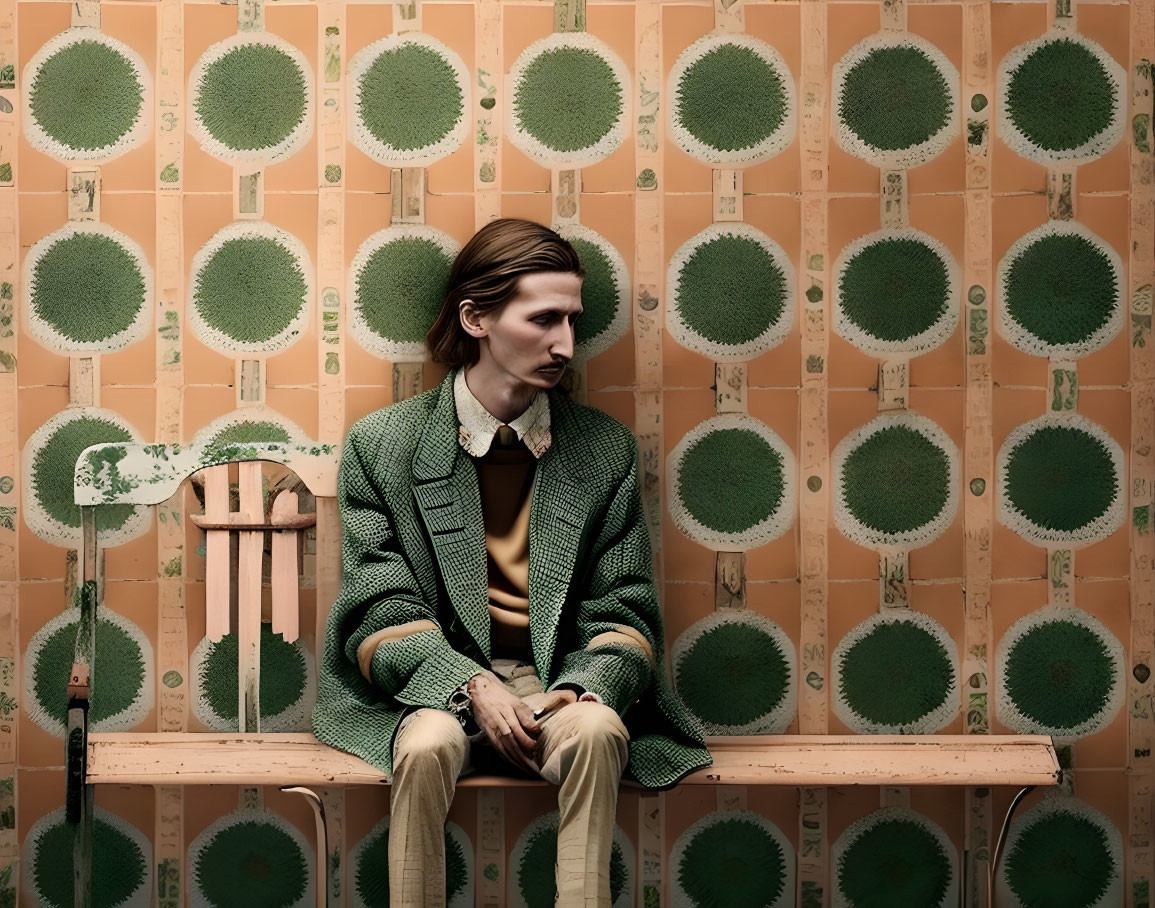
<point>993,866</point>
<point>322,840</point>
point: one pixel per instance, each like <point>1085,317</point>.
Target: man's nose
<point>562,345</point>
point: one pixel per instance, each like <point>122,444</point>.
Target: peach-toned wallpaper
<point>871,282</point>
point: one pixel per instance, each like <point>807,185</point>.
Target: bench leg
<point>322,861</point>
<point>993,866</point>
<point>79,806</point>
<point>78,792</point>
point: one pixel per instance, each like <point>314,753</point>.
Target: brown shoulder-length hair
<point>486,271</point>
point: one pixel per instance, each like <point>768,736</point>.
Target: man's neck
<point>499,392</point>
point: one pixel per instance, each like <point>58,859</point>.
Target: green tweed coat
<point>413,547</point>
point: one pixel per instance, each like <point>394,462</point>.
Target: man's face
<point>535,329</point>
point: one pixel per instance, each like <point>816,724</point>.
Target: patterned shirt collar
<point>477,426</point>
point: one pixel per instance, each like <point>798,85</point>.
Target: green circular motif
<point>568,99</point>
<point>894,862</point>
<point>897,674</point>
<point>119,665</point>
<point>896,481</point>
<point>55,462</point>
<point>600,291</point>
<point>730,483</point>
<point>251,289</point>
<point>733,674</point>
<point>1061,478</point>
<point>1061,96</point>
<point>401,287</point>
<point>894,289</point>
<point>86,96</point>
<point>730,290</point>
<point>252,97</point>
<point>87,287</point>
<point>733,862</point>
<point>1060,674</point>
<point>731,98</point>
<point>122,866</point>
<point>731,480</point>
<point>251,432</point>
<point>1061,289</point>
<point>371,872</point>
<point>409,97</point>
<point>283,675</point>
<point>894,98</point>
<point>251,863</point>
<point>535,871</point>
<point>1062,860</point>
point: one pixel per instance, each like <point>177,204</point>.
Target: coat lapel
<point>445,486</point>
<point>557,517</point>
<point>448,496</point>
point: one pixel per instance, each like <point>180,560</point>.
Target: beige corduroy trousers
<point>583,750</point>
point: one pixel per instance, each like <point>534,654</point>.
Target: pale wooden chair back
<point>250,523</point>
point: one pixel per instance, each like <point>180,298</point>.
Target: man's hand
<point>544,703</point>
<point>506,719</point>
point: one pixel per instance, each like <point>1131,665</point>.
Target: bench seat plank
<point>300,759</point>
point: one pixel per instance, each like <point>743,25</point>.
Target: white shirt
<point>477,426</point>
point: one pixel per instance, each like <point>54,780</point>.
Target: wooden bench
<point>151,474</point>
<point>806,760</point>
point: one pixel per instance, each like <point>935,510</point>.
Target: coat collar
<point>448,496</point>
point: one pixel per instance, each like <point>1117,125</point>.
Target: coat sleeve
<point>389,631</point>
<point>619,626</point>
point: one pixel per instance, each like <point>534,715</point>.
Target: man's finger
<point>498,728</point>
<point>509,749</point>
<point>523,739</point>
<point>494,726</point>
<point>525,716</point>
<point>556,699</point>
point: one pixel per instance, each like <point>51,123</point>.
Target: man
<point>497,597</point>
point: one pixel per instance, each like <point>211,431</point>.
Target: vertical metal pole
<point>322,840</point>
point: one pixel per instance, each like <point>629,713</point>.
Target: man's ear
<point>470,319</point>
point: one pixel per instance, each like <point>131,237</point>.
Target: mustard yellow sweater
<point>505,477</point>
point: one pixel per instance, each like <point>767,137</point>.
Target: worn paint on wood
<point>814,441</point>
<point>1140,850</point>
